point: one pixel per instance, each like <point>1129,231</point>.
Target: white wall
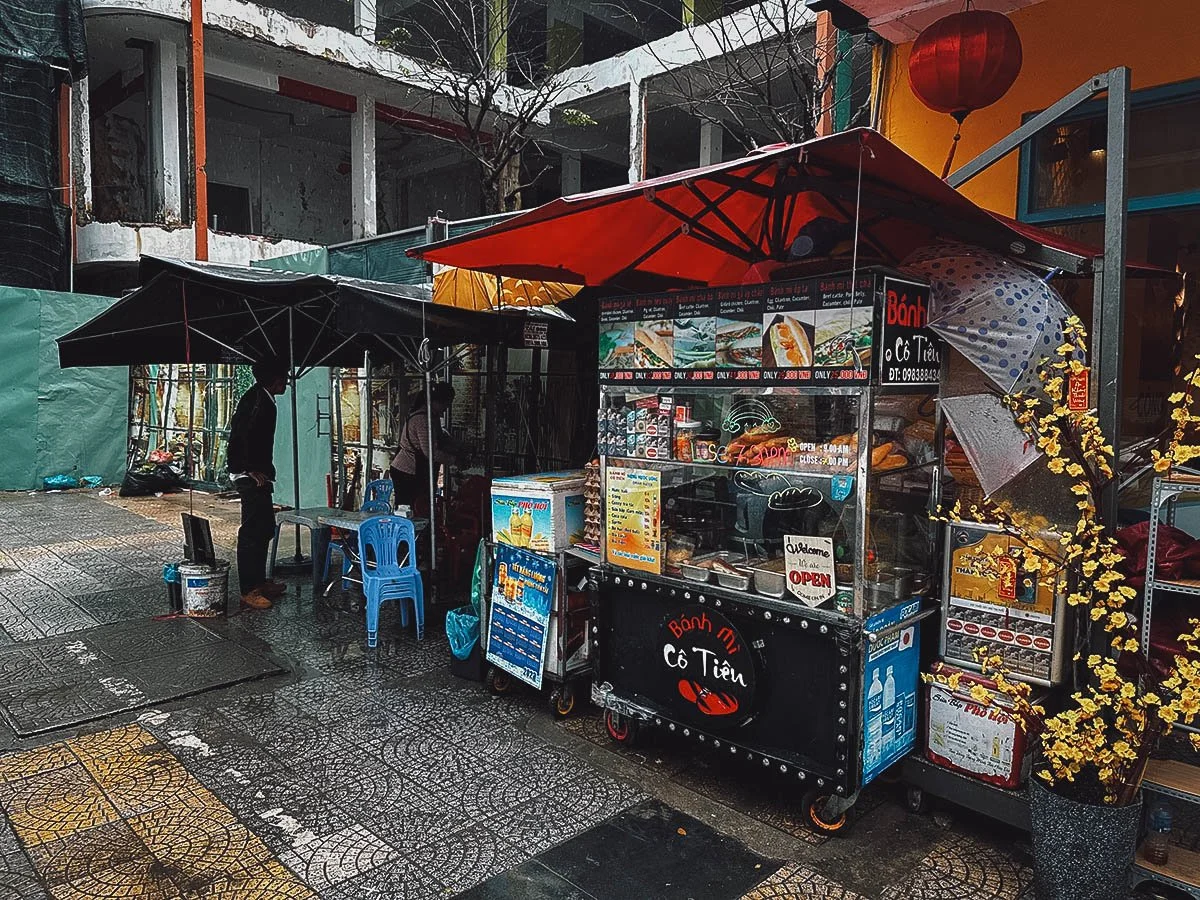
<point>296,189</point>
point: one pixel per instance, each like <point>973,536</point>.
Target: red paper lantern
<point>964,62</point>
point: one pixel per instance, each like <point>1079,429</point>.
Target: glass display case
<point>813,496</point>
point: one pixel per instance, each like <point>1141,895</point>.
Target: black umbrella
<point>188,312</point>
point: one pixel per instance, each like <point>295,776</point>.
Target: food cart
<point>768,456</point>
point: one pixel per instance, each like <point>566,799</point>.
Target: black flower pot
<point>1081,851</point>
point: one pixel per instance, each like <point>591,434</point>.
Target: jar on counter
<point>705,445</point>
<point>685,440</point>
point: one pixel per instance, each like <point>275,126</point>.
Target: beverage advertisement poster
<point>633,523</point>
<point>522,597</point>
<point>890,683</point>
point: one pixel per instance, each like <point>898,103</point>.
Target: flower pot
<point>1081,851</point>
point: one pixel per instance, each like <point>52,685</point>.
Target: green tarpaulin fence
<point>56,421</point>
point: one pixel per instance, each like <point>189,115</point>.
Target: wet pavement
<point>373,774</point>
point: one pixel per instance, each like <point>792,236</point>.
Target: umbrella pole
<point>433,468</point>
<point>370,423</point>
<point>299,558</point>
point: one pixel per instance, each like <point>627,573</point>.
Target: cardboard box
<point>543,512</point>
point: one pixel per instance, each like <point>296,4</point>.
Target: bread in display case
<point>773,492</point>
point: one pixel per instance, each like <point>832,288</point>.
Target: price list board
<point>820,330</point>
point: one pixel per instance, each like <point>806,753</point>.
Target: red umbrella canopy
<point>786,204</point>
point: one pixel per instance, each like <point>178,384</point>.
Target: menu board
<point>633,518</point>
<point>808,331</point>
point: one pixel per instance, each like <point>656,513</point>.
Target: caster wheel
<point>621,729</point>
<point>564,701</point>
<point>498,682</point>
<point>815,817</point>
<point>917,801</point>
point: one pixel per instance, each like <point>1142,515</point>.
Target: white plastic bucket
<point>205,589</point>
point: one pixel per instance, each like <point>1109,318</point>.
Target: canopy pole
<point>299,557</point>
<point>370,424</point>
<point>426,358</point>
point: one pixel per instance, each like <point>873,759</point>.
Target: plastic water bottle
<point>889,712</point>
<point>874,720</point>
<point>1156,847</point>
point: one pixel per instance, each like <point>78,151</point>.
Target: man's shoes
<point>272,590</point>
<point>256,600</point>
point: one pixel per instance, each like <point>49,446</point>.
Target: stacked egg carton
<point>591,503</point>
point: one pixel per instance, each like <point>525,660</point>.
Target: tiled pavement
<point>376,775</point>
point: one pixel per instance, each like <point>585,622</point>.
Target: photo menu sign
<point>820,330</point>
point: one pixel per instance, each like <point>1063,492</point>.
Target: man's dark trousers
<point>255,535</point>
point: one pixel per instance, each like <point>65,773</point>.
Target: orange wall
<point>1064,43</point>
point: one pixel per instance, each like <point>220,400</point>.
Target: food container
<point>770,584</point>
<point>693,572</point>
<point>680,548</point>
<point>685,438</point>
<point>705,445</point>
<point>734,581</point>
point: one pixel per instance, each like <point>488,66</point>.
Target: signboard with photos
<point>810,331</point>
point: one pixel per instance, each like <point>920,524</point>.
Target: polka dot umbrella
<point>1001,316</point>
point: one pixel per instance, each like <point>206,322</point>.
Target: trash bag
<point>462,628</point>
<point>59,482</point>
<point>91,481</point>
<point>477,585</point>
<point>1177,554</point>
<point>147,480</point>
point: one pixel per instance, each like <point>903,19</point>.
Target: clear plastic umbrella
<point>999,315</point>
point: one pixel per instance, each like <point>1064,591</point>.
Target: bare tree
<point>494,74</point>
<point>763,73</point>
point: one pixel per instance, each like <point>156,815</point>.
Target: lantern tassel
<point>958,117</point>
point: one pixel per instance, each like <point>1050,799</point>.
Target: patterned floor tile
<point>795,882</point>
<point>54,804</point>
<point>74,857</point>
<point>330,860</point>
<point>466,858</point>
<point>964,868</point>
<point>138,878</point>
<point>22,764</point>
<point>271,881</point>
<point>17,878</point>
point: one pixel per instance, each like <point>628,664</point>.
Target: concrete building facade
<point>321,123</point>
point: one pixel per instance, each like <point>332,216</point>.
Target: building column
<point>637,131</point>
<point>162,86</point>
<point>365,19</point>
<point>362,168</point>
<point>712,143</point>
<point>564,34</point>
<point>572,172</point>
<point>81,151</point>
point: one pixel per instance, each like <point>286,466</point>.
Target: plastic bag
<point>1177,555</point>
<point>91,481</point>
<point>59,482</point>
<point>143,481</point>
<point>462,628</point>
<point>477,585</point>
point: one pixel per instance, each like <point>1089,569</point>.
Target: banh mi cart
<point>768,458</point>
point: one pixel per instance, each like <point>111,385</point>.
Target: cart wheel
<point>564,701</point>
<point>498,681</point>
<point>621,729</point>
<point>917,801</point>
<point>816,818</point>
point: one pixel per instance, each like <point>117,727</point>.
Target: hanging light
<point>964,62</point>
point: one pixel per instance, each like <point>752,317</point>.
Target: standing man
<point>252,471</point>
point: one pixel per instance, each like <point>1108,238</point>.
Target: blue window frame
<point>1163,117</point>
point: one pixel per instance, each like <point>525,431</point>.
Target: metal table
<point>320,522</point>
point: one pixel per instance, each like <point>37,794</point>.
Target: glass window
<point>1164,156</point>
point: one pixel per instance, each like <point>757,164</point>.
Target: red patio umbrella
<point>783,205</point>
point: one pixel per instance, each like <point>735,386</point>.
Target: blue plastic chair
<point>388,573</point>
<point>379,506</point>
<point>377,490</point>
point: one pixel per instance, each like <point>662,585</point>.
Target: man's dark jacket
<point>252,434</point>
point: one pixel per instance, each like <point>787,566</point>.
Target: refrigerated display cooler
<point>768,457</point>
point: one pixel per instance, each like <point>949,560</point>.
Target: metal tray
<point>770,584</point>
<point>698,569</point>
